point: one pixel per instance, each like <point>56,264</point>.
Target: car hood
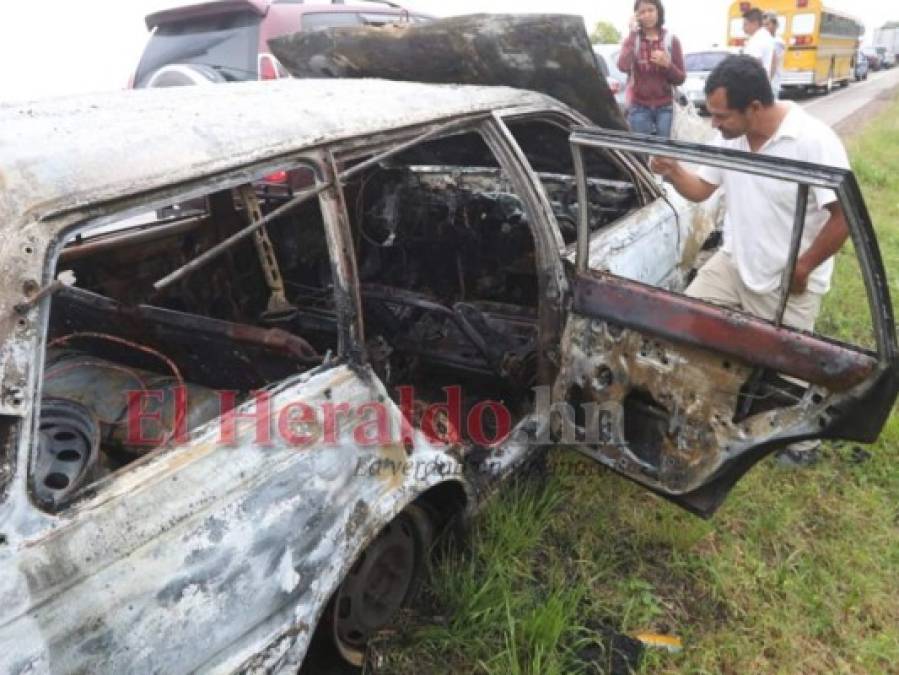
<point>548,53</point>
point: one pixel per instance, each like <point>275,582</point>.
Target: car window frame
<point>129,205</point>
<point>648,190</point>
<point>542,225</point>
<point>841,181</point>
<point>570,120</point>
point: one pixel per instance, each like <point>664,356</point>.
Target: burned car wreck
<point>222,346</point>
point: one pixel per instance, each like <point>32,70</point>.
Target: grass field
<point>797,573</point>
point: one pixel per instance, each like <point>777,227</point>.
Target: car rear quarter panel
<point>205,554</point>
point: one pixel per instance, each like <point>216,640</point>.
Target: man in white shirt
<point>760,44</point>
<point>771,23</point>
<point>746,272</point>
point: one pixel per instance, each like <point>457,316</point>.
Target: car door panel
<point>683,396</point>
<point>726,332</point>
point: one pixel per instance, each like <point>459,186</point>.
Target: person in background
<point>760,43</point>
<point>746,272</point>
<point>654,60</point>
<point>771,22</point>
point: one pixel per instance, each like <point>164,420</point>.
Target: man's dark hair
<point>744,80</point>
<point>659,9</point>
<point>754,15</point>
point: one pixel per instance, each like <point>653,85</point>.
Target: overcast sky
<point>58,47</point>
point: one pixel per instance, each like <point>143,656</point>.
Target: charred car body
<point>483,238</point>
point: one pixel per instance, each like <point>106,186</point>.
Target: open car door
<point>683,396</point>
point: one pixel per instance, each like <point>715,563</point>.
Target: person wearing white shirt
<point>771,22</point>
<point>760,44</point>
<point>745,273</point>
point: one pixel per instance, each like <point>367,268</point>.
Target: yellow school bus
<point>820,42</point>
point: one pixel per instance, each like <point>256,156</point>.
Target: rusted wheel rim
<point>386,576</point>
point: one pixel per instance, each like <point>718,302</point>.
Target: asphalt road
<point>842,103</point>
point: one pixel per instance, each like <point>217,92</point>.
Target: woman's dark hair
<point>659,9</point>
<point>744,80</point>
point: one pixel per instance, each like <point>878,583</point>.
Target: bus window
<point>803,24</point>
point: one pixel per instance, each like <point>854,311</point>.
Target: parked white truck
<point>886,40</point>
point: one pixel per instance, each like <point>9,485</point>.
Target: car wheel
<point>386,576</point>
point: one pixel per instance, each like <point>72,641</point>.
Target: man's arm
<point>829,240</point>
<point>688,184</point>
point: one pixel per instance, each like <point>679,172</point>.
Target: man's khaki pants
<point>719,282</point>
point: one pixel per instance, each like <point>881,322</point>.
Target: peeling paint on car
<point>215,554</point>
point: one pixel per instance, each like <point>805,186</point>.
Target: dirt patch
<point>858,120</point>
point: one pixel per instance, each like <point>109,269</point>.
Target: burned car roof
<point>104,146</point>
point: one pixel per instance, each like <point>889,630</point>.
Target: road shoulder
<point>857,121</point>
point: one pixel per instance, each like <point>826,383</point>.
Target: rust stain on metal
<point>722,331</point>
<point>668,409</point>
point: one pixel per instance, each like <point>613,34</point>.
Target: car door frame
<point>614,246</point>
<point>860,386</point>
